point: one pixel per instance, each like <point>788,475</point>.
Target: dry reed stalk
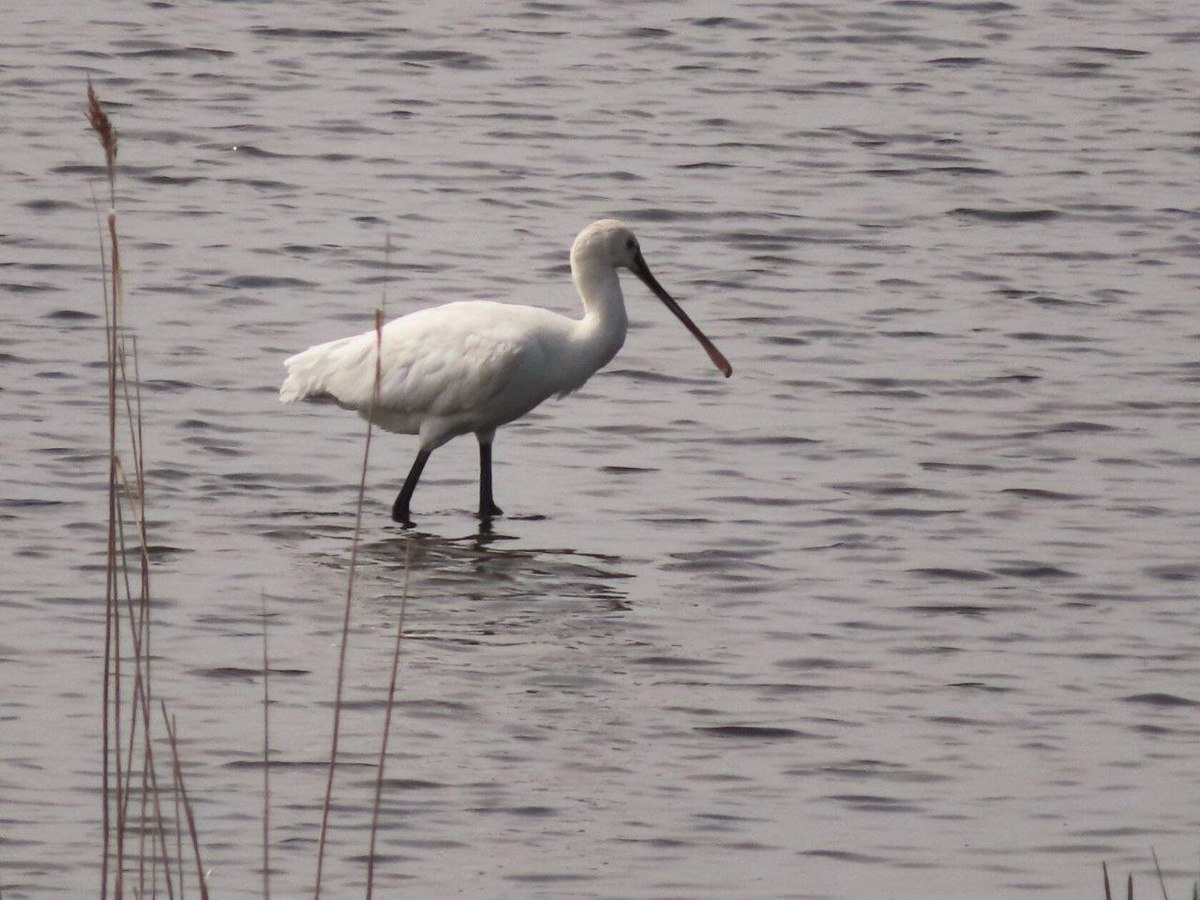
<point>102,126</point>
<point>1162,883</point>
<point>178,836</point>
<point>126,580</point>
<point>391,700</point>
<point>266,819</point>
<point>139,619</point>
<point>387,721</point>
<point>341,671</point>
<point>187,805</point>
<point>1158,869</point>
<point>1108,887</point>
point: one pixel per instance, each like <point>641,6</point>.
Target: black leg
<point>487,506</point>
<point>400,508</point>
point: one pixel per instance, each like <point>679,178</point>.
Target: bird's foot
<point>486,513</point>
<point>402,518</point>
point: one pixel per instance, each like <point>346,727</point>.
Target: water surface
<point>905,607</point>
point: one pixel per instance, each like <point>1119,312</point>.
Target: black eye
<point>631,244</point>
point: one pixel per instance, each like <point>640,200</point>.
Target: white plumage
<point>473,366</point>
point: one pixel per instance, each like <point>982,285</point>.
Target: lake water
<point>907,607</point>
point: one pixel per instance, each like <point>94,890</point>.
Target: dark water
<point>907,607</point>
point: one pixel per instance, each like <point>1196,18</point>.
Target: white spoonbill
<point>473,366</point>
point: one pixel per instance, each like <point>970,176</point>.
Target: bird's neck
<point>604,322</point>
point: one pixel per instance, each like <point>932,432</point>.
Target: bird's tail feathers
<point>310,373</point>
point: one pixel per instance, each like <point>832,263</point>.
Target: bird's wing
<point>439,362</point>
<point>447,365</point>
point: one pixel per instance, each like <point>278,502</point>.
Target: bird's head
<point>609,242</point>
